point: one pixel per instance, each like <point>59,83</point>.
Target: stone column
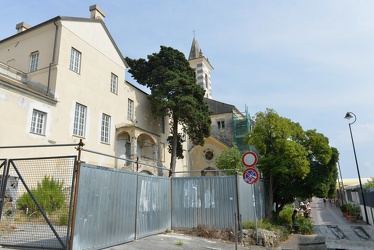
<point>134,146</point>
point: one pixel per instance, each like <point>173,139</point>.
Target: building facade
<point>64,80</point>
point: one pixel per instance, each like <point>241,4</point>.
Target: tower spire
<point>202,67</point>
<point>195,50</point>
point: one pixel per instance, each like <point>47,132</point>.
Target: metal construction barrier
<point>36,201</point>
<point>60,202</point>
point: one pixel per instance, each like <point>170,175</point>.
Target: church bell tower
<point>202,68</point>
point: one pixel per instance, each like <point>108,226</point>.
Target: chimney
<point>22,27</point>
<point>96,12</point>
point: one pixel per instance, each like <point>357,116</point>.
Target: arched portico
<point>133,144</point>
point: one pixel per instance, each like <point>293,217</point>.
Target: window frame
<point>34,61</point>
<point>38,122</point>
<point>75,60</point>
<point>221,124</point>
<point>79,126</point>
<point>208,154</point>
<point>114,83</point>
<point>105,128</point>
<point>130,109</point>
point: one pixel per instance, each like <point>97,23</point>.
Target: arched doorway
<point>146,147</point>
<point>209,171</point>
<point>123,150</point>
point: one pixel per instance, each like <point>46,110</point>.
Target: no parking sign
<point>250,175</point>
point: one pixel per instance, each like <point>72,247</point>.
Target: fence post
<point>70,241</point>
<point>4,181</point>
<point>237,203</point>
<point>136,198</point>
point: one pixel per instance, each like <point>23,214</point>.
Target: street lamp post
<point>341,185</point>
<point>348,116</point>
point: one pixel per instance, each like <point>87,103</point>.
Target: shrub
<point>343,208</point>
<point>285,216</point>
<point>353,209</point>
<point>305,225</point>
<point>266,224</point>
<point>248,225</point>
<point>63,216</point>
<point>48,194</point>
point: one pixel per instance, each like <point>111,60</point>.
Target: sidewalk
<point>174,241</point>
<point>339,232</point>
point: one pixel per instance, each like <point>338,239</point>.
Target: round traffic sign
<point>249,159</point>
<point>250,175</point>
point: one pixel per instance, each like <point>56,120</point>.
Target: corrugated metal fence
<point>212,201</point>
<point>355,196</point>
<point>116,206</point>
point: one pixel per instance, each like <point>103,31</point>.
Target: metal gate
<point>36,201</point>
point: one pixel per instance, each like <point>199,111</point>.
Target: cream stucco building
<point>64,80</point>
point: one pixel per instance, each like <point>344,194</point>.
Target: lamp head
<point>348,116</point>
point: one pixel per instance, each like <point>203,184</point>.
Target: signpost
<point>250,176</point>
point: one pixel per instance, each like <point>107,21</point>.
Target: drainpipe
<point>53,58</point>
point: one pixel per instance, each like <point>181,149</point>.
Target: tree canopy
<point>291,159</point>
<point>370,183</point>
<point>174,93</point>
<point>231,160</point>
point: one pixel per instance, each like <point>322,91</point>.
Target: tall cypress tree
<point>174,93</point>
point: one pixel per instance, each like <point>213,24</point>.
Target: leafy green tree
<point>174,93</point>
<point>287,153</point>
<point>230,159</point>
<point>370,183</point>
<point>321,180</point>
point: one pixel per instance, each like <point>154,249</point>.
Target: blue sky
<point>311,61</point>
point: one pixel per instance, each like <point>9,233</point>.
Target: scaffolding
<point>241,125</point>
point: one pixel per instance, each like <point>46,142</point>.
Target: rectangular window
<point>38,122</point>
<point>75,60</point>
<point>34,59</point>
<point>221,124</point>
<point>105,128</point>
<point>130,110</point>
<point>80,120</point>
<point>114,83</point>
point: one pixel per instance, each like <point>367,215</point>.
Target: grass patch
<point>267,225</point>
<point>179,243</point>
